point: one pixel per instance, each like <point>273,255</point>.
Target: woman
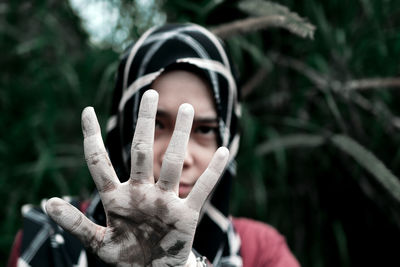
<point>153,214</point>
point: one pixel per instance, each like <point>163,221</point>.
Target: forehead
<point>176,87</point>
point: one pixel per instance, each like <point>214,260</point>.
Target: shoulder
<point>256,234</point>
<point>262,244</point>
<point>247,226</point>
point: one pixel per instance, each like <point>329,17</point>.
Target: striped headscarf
<point>193,48</point>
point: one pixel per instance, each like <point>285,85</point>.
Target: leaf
<point>264,8</point>
<point>290,141</point>
<point>30,45</point>
<point>333,107</point>
<point>289,20</point>
<point>346,144</point>
<point>209,6</point>
<point>341,240</point>
<point>370,162</point>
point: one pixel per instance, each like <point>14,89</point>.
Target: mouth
<point>184,189</point>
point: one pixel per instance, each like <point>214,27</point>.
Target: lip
<point>184,189</point>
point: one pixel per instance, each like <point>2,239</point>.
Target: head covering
<point>193,48</point>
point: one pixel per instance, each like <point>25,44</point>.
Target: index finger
<point>96,156</point>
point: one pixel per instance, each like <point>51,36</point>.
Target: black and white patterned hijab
<point>189,47</point>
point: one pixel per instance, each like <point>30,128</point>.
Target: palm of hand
<point>147,223</point>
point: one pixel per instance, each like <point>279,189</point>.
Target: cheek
<point>204,155</point>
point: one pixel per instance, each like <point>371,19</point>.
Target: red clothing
<point>15,251</point>
<point>262,245</point>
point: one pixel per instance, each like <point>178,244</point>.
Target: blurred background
<point>320,82</point>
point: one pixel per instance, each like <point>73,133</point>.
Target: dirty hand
<point>147,223</point>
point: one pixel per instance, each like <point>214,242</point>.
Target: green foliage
<point>290,20</point>
<point>48,74</point>
<point>291,141</point>
<point>371,164</point>
<point>349,146</point>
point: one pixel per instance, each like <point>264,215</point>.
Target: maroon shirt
<point>262,245</point>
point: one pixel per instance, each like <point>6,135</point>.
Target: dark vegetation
<point>320,145</point>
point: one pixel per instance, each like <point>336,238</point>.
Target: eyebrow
<point>201,119</point>
<point>206,120</point>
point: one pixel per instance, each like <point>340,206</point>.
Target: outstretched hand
<point>147,223</point>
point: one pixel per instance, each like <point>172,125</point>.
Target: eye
<point>205,129</point>
<point>159,124</point>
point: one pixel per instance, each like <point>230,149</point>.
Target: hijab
<point>193,48</point>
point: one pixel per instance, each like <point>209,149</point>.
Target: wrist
<point>191,262</point>
<point>195,262</point>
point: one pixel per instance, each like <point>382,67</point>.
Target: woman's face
<point>175,88</point>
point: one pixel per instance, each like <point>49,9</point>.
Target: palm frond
<point>290,141</point>
<point>369,162</point>
<point>283,16</point>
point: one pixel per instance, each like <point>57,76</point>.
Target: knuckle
<point>141,146</point>
<point>174,157</point>
<point>96,157</point>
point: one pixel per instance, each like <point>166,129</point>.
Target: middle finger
<point>143,139</point>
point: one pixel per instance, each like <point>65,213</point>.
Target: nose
<point>189,160</point>
<point>189,155</point>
